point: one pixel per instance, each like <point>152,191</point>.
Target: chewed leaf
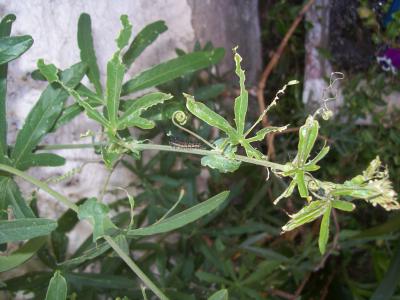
<point>241,102</point>
<point>205,114</point>
<point>49,71</point>
<point>126,32</point>
<point>260,135</point>
<point>307,214</point>
<point>97,214</point>
<point>221,163</point>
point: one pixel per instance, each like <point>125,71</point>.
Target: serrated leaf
<point>97,214</point>
<point>142,40</point>
<point>205,114</point>
<point>324,230</point>
<point>57,289</point>
<point>307,214</point>
<point>221,163</point>
<point>87,52</point>
<point>10,195</point>
<point>13,47</point>
<point>181,219</point>
<point>44,114</point>
<point>260,135</point>
<point>220,295</point>
<point>22,254</point>
<point>126,32</point>
<point>172,69</point>
<point>25,229</point>
<point>48,71</point>
<point>41,160</point>
<point>115,75</point>
<point>343,205</point>
<point>241,102</point>
<point>5,30</point>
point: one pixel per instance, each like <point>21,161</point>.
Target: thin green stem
<point>202,152</point>
<point>41,185</point>
<point>193,134</point>
<point>134,267</point>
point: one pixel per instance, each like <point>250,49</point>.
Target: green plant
<point>125,230</point>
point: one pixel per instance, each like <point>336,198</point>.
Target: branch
<point>268,70</point>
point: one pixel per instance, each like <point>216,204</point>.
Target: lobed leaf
<point>48,71</point>
<point>25,229</point>
<point>181,219</point>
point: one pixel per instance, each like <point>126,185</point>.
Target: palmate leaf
<point>44,114</point>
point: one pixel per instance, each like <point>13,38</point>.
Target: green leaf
<point>88,54</point>
<point>387,287</point>
<point>324,151</point>
<point>97,214</point>
<point>137,122</point>
<point>241,102</point>
<point>57,289</point>
<point>10,195</point>
<point>183,218</point>
<point>172,69</point>
<point>221,163</point>
<point>49,71</point>
<point>25,229</point>
<point>307,214</point>
<point>22,254</point>
<point>220,295</point>
<point>134,108</point>
<point>287,193</point>
<point>142,40</point>
<point>44,114</point>
<point>209,91</point>
<point>126,32</point>
<point>308,134</point>
<point>41,160</point>
<point>100,281</point>
<point>5,30</point>
<point>301,184</point>
<point>260,135</point>
<point>115,75</point>
<point>324,230</point>
<point>343,205</point>
<point>96,250</point>
<point>205,114</point>
<point>13,47</point>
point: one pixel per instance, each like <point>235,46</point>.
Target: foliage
<point>219,251</point>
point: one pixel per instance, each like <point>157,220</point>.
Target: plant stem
<point>202,152</point>
<point>134,267</point>
<point>41,185</point>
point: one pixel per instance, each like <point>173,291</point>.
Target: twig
<point>325,290</point>
<point>267,72</point>
<point>282,294</point>
<point>301,286</point>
